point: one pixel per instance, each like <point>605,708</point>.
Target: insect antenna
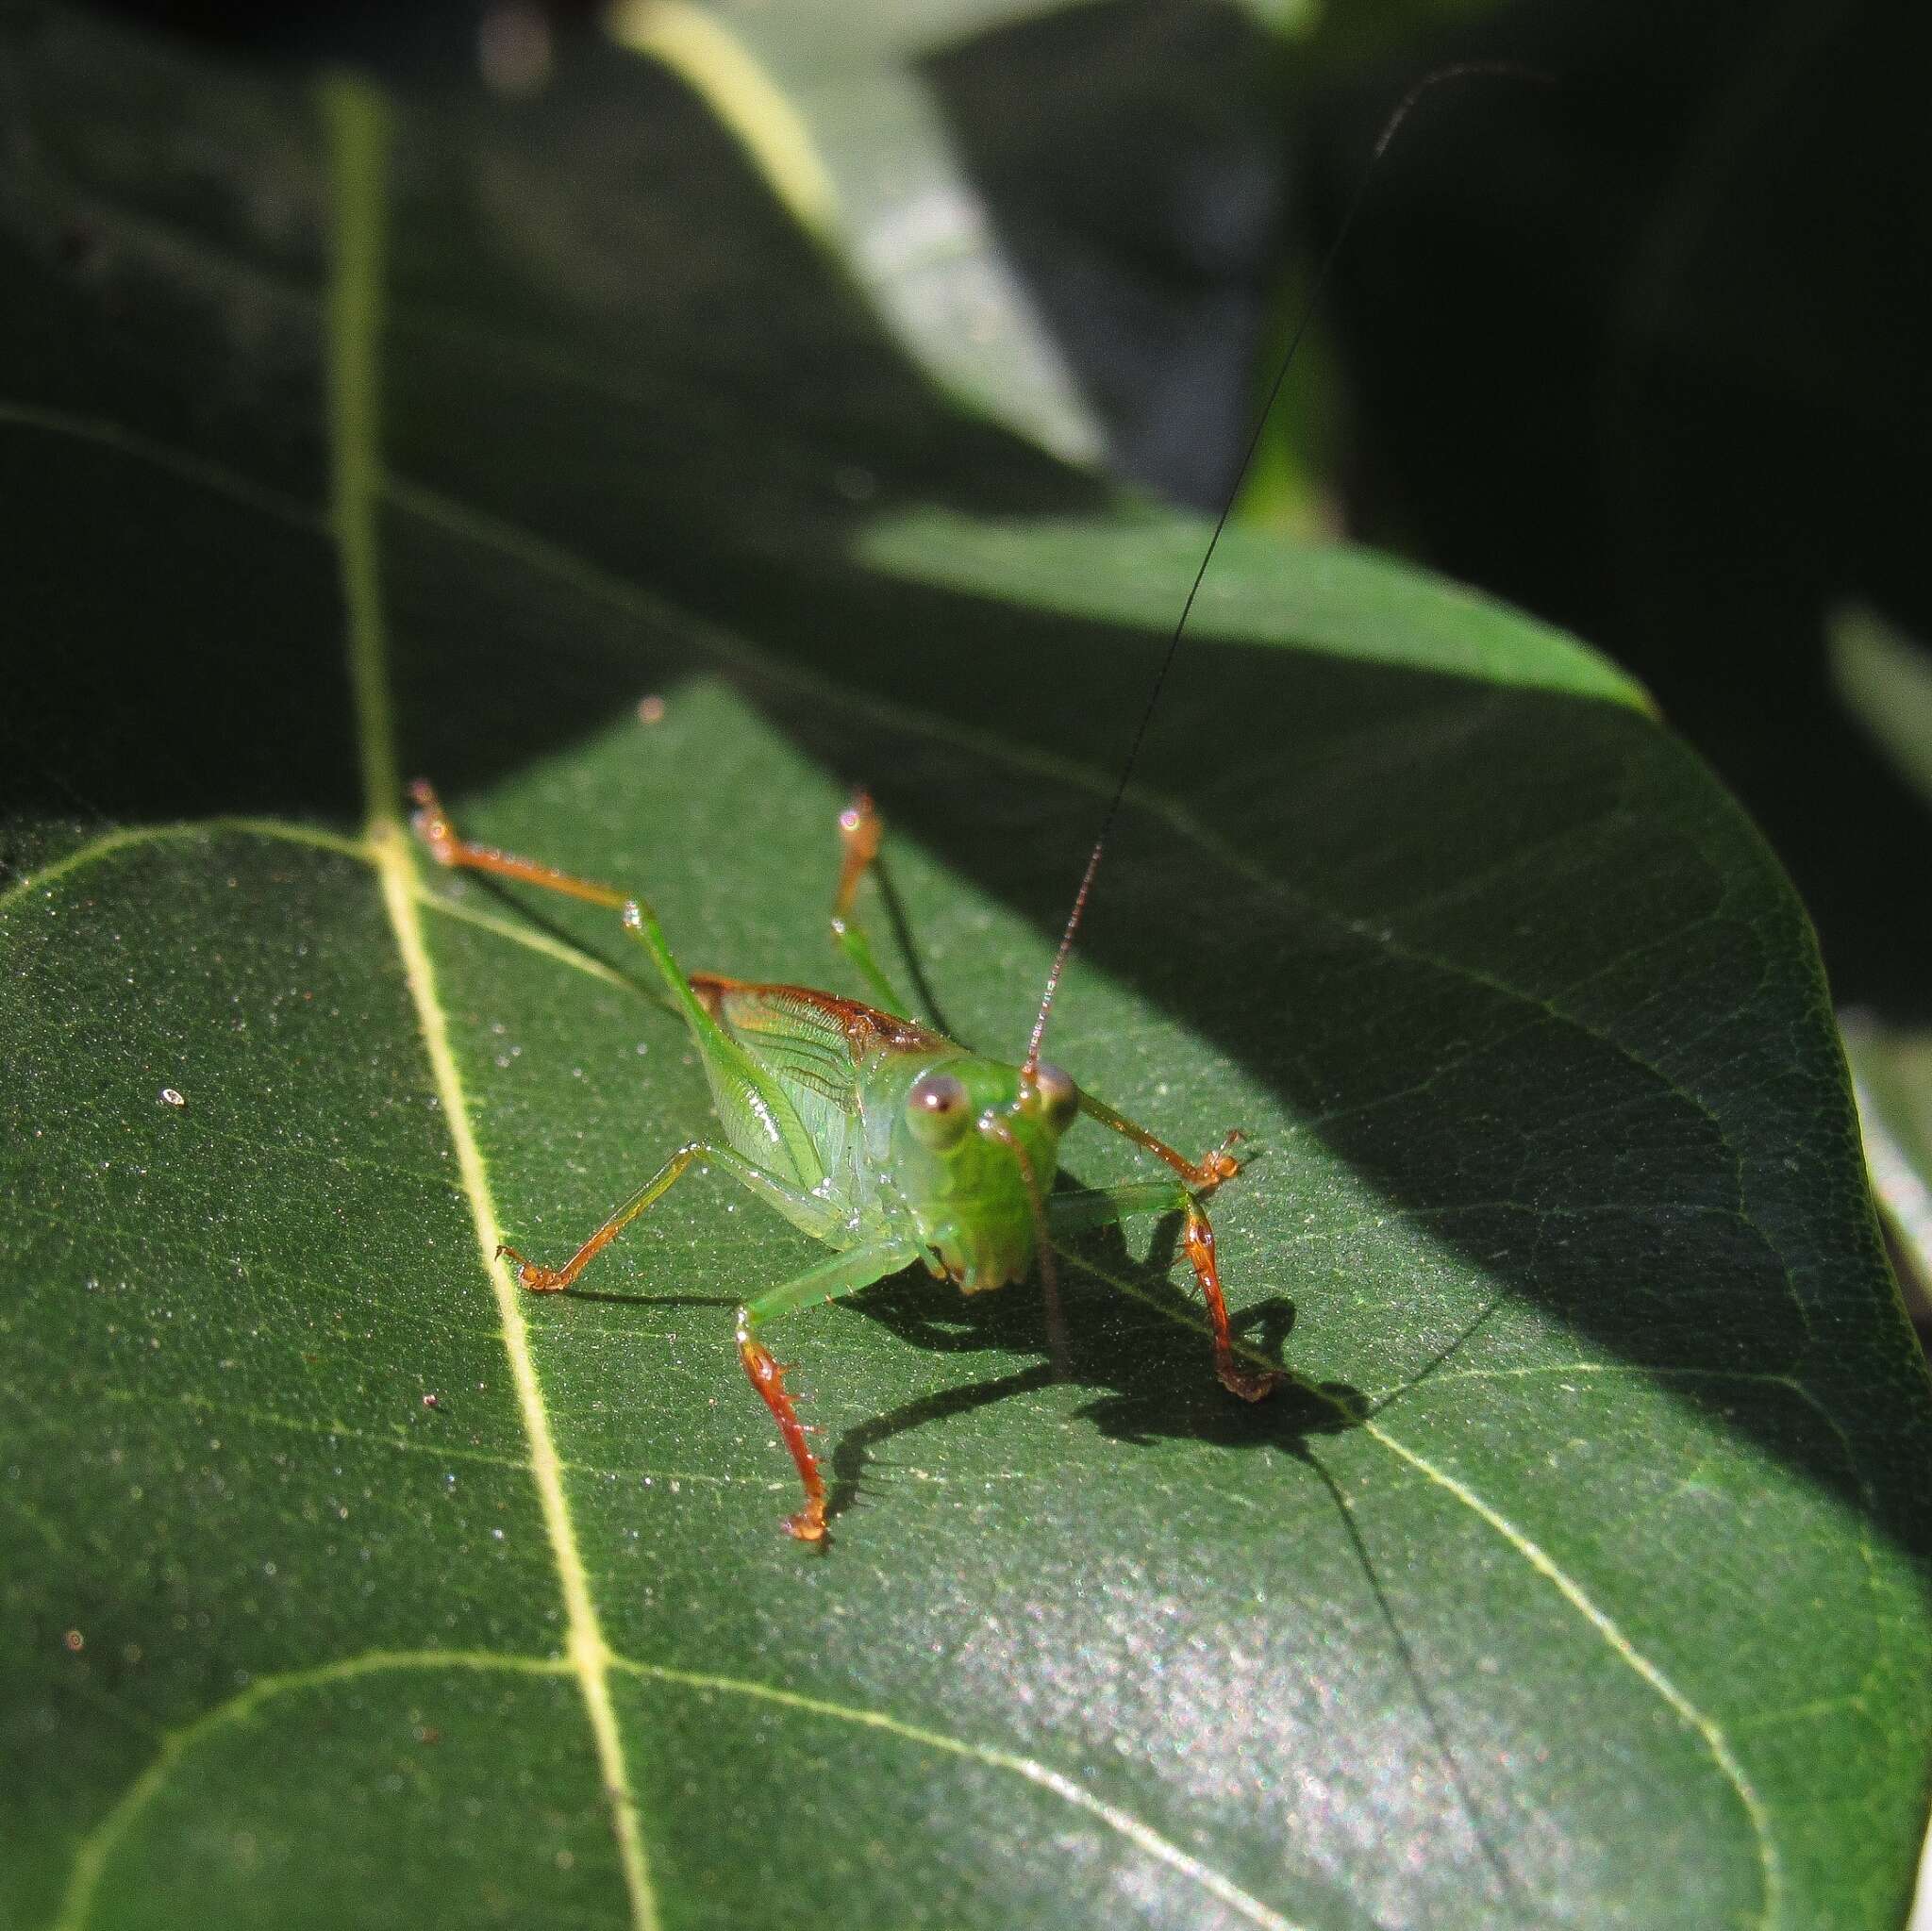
<point>1462,70</point>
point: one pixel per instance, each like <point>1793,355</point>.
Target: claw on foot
<point>1217,1165</point>
<point>808,1524</point>
<point>431,823</point>
<point>768,1376</point>
<point>539,1279</point>
<point>1251,1384</point>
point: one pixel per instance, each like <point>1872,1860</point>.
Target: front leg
<point>1204,1175</point>
<point>1103,1207</point>
<point>801,1209</point>
<point>836,1275</point>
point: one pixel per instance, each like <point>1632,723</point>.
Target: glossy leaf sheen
<point>1576,1580</point>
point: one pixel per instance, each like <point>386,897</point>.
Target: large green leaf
<point>1577,1576</point>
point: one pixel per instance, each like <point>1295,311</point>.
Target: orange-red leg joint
<point>533,1274</point>
<point>432,825</point>
<point>1251,1384</point>
<point>860,832</point>
<point>768,1377</point>
<point>1212,1167</point>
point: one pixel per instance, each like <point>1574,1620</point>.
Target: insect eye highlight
<point>936,1108</point>
<point>1057,1093</point>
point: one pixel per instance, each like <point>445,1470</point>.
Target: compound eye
<point>937,1109</point>
<point>1058,1094</point>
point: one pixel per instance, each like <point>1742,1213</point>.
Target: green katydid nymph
<point>882,1138</point>
<point>875,1134</point>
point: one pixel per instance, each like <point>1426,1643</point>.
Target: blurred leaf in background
<point>1885,681</point>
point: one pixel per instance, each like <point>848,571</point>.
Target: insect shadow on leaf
<point>1411,1667</point>
<point>1137,1398</point>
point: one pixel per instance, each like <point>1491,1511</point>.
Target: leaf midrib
<point>354,117</point>
<point>355,123</point>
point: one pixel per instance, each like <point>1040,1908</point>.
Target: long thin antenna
<point>1458,71</point>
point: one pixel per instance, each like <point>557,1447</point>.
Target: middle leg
<point>801,1208</point>
<point>836,1275</point>
<point>1204,1175</point>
